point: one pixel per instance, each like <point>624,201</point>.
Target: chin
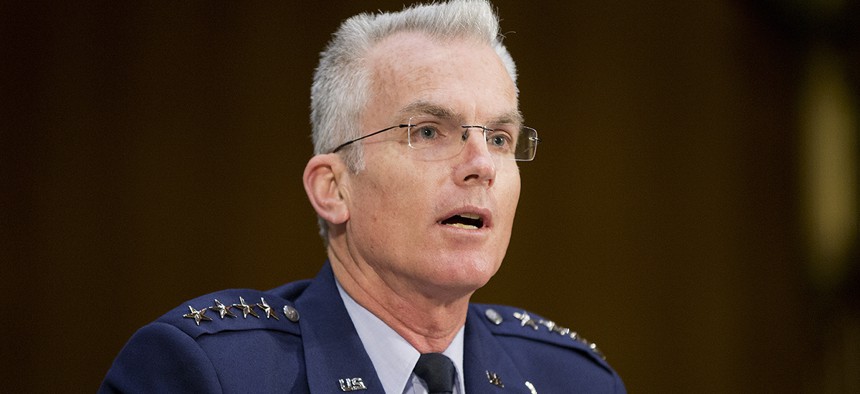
<point>467,274</point>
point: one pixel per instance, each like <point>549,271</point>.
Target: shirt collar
<point>392,356</point>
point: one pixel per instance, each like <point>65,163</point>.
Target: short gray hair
<point>341,84</point>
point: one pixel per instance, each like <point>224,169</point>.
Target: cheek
<point>510,194</point>
<point>409,186</point>
<point>390,201</point>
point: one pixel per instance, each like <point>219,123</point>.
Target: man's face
<point>406,215</point>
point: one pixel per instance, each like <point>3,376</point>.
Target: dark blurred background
<point>693,209</point>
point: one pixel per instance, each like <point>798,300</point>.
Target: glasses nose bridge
<point>466,128</point>
<point>464,140</point>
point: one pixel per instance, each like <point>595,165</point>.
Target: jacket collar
<point>486,364</point>
<point>334,353</point>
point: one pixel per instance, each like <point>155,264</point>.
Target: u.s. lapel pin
<point>495,379</point>
<point>351,384</point>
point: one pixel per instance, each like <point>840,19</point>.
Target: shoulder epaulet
<point>234,310</point>
<point>506,320</point>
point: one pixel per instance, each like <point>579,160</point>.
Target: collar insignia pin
<point>351,384</point>
<point>495,379</point>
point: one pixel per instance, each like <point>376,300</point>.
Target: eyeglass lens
<point>438,138</point>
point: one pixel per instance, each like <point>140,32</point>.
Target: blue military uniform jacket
<point>298,338</point>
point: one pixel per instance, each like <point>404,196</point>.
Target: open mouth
<point>469,221</point>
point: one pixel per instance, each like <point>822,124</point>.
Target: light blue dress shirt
<point>393,357</point>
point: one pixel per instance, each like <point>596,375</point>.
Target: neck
<point>427,321</point>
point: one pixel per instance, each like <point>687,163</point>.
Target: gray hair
<point>342,82</point>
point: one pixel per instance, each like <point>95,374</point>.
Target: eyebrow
<point>427,108</point>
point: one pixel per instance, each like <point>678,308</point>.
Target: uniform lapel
<point>486,365</point>
<point>334,355</point>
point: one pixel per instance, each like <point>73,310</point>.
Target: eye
<point>500,140</point>
<point>427,131</point>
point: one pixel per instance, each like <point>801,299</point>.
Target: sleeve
<point>160,358</point>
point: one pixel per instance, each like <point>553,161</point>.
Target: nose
<point>476,165</point>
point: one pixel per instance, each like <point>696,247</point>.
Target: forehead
<point>411,70</point>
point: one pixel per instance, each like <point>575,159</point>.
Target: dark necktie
<point>437,371</point>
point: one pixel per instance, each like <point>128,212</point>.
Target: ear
<point>322,180</point>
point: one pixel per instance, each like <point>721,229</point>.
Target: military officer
<point>417,138</point>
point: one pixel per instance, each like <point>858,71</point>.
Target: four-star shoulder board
<point>526,320</point>
<point>224,311</point>
<point>520,318</point>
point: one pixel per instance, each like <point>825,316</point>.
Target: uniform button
<point>291,313</point>
<point>493,316</point>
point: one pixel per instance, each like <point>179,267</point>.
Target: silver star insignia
<point>197,315</point>
<point>548,323</point>
<point>223,310</point>
<point>555,327</point>
<point>266,308</point>
<point>525,319</point>
<point>246,309</point>
<point>593,347</point>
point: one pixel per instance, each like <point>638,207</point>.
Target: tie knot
<point>437,371</point>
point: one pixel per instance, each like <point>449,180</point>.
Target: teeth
<point>466,221</point>
<point>464,226</point>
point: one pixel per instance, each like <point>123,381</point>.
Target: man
<point>417,135</point>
